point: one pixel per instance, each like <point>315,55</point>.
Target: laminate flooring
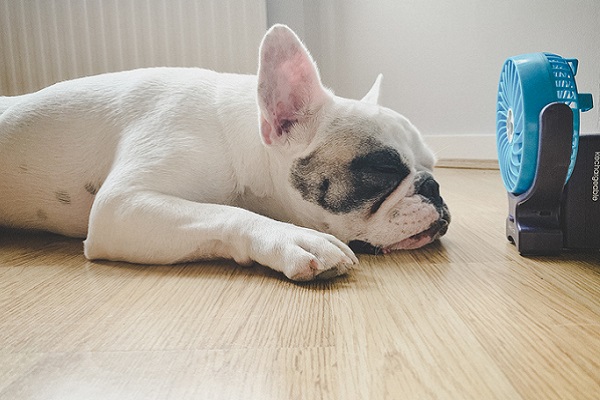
<point>464,318</point>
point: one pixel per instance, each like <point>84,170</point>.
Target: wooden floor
<point>467,318</point>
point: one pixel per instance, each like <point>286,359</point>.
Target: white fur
<point>179,167</point>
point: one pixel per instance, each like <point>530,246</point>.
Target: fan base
<point>550,216</point>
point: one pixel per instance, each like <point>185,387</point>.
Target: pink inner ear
<point>265,130</point>
<point>298,70</point>
<point>288,83</point>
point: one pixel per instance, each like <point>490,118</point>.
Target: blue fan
<point>528,83</point>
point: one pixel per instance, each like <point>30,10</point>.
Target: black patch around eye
<point>375,207</point>
<point>341,186</point>
<point>384,161</point>
<point>377,174</point>
<point>323,189</point>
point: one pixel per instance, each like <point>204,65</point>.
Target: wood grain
<point>465,318</point>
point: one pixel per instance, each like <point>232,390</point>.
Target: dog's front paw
<point>303,254</point>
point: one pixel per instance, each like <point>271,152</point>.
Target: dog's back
<point>58,145</point>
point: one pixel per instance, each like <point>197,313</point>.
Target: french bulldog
<point>169,165</point>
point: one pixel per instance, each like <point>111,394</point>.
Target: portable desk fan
<point>550,172</point>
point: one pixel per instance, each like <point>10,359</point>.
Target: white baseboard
<point>463,147</point>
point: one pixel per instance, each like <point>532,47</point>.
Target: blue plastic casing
<point>528,83</point>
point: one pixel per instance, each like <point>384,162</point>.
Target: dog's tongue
<point>420,239</point>
<point>413,242</point>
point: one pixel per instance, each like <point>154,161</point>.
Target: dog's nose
<point>428,188</point>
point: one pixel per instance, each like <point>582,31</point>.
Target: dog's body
<point>167,165</point>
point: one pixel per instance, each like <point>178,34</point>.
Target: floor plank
<point>467,318</point>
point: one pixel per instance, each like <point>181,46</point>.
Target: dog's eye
<point>385,169</point>
<point>383,162</point>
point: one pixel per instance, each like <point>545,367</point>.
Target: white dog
<point>166,165</point>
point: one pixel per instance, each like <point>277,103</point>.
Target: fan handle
<point>533,222</point>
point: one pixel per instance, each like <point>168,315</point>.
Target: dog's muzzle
<point>428,188</point>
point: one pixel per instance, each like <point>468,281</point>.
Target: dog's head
<point>352,168</point>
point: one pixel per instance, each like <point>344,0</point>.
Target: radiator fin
<point>43,42</point>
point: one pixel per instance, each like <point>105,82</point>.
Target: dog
<point>170,165</point>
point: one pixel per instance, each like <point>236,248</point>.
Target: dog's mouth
<point>430,235</point>
<point>434,232</point>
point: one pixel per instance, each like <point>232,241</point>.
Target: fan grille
<point>510,125</point>
<point>566,92</point>
<point>528,83</point>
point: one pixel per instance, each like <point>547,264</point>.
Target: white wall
<point>441,58</point>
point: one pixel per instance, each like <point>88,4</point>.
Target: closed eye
<point>375,207</point>
<point>385,161</point>
<point>386,169</point>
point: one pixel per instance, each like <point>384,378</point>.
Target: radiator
<point>46,41</point>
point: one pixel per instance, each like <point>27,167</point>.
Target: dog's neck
<point>251,159</point>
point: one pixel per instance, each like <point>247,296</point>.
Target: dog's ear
<point>289,86</point>
<point>372,97</point>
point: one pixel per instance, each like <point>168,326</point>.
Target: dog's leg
<point>150,227</point>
